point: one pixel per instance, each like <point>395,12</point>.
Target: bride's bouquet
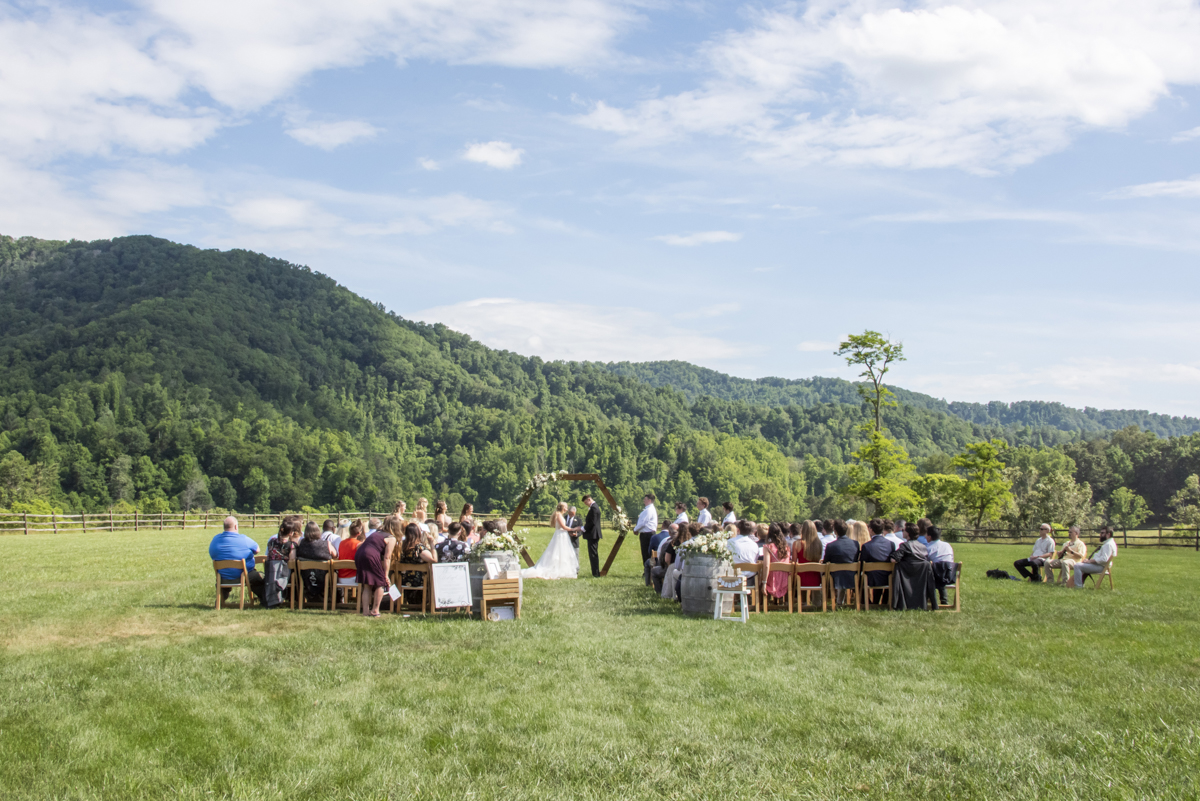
<point>713,544</point>
<point>511,541</point>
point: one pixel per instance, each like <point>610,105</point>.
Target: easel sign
<point>451,585</point>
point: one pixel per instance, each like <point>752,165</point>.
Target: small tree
<point>986,492</point>
<point>1185,504</point>
<point>889,490</point>
<point>874,353</point>
<point>1127,509</point>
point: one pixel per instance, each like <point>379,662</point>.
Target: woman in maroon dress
<point>372,560</point>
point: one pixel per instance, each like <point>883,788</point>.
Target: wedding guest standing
<point>681,517</point>
<point>704,517</point>
<point>372,561</point>
<point>467,516</point>
<point>422,512</point>
<point>440,517</point>
<point>645,528</point>
<point>729,517</point>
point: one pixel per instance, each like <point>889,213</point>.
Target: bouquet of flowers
<point>621,522</point>
<point>542,479</point>
<point>511,541</point>
<point>712,543</point>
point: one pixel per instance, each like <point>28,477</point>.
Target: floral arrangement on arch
<point>621,522</point>
<point>511,541</point>
<point>542,479</point>
<point>711,543</point>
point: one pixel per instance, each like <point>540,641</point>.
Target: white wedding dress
<point>558,561</point>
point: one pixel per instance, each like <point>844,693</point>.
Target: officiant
<point>574,526</point>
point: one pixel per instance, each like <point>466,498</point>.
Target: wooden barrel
<point>507,560</point>
<point>698,583</point>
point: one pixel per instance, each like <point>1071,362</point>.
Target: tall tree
<point>890,490</point>
<point>873,353</point>
<point>986,492</point>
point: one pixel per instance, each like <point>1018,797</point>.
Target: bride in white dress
<point>559,560</point>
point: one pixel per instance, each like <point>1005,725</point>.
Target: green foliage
<point>1044,489</point>
<point>888,485</point>
<point>1185,504</point>
<point>1127,509</point>
<point>871,351</point>
<point>985,492</point>
<point>941,494</point>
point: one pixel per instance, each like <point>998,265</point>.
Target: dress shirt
<point>1105,552</point>
<point>681,519</point>
<point>744,549</point>
<point>1043,548</point>
<point>647,522</point>
<point>1075,550</point>
<point>895,539</point>
<point>940,551</point>
<point>729,518</point>
<point>704,518</point>
<point>658,539</point>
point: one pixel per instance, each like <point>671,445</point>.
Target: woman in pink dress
<point>776,547</point>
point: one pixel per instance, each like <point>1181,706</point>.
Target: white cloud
<point>816,346</point>
<point>428,164</point>
<point>978,86</point>
<point>331,135</point>
<point>1186,136</point>
<point>594,333</point>
<point>698,238</point>
<point>1188,187</point>
<point>498,155</point>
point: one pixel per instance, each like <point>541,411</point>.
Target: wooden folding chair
<point>297,582</point>
<point>222,583</point>
<point>404,605</point>
<point>957,587</point>
<point>500,592</point>
<point>754,586</point>
<point>830,571</point>
<point>1098,578</point>
<point>803,569</point>
<point>890,568</point>
<point>776,567</point>
<point>356,588</point>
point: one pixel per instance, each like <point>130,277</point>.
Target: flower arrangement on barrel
<point>510,541</point>
<point>711,544</point>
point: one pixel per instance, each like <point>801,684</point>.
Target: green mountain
<point>145,372</point>
<point>695,382</point>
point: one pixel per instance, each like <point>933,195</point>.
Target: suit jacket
<point>877,549</point>
<point>572,521</point>
<point>842,551</point>
<point>591,525</point>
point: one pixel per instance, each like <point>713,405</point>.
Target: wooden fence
<point>1139,538</point>
<point>20,523</point>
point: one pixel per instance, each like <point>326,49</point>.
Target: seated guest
<point>842,551</point>
<point>1072,553</point>
<point>454,548</point>
<point>941,556</point>
<point>913,586</point>
<point>1043,550</point>
<point>893,534</point>
<point>372,561</point>
<point>356,532</point>
<point>744,547</point>
<point>829,534</point>
<point>314,549</point>
<point>775,546</point>
<point>923,526</point>
<point>877,549</point>
<point>343,531</point>
<point>329,534</point>
<point>808,548</point>
<point>654,547</point>
<point>471,536</point>
<point>666,574</point>
<point>229,544</point>
<point>662,536</point>
<point>1106,552</point>
<point>281,554</point>
<point>859,532</point>
<point>414,551</point>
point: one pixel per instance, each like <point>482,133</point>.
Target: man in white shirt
<point>1096,564</point>
<point>892,533</point>
<point>743,546</point>
<point>681,518</point>
<point>645,528</point>
<point>1043,549</point>
<point>704,518</point>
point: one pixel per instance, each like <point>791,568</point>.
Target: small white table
<point>731,586</point>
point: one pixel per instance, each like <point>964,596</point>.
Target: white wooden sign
<point>451,584</point>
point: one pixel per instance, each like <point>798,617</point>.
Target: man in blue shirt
<point>229,544</point>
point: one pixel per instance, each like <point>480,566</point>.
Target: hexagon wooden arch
<point>595,477</point>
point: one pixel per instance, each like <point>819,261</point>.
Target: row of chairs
<point>796,594</point>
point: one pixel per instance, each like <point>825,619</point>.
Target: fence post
<point>25,522</point>
<point>54,522</point>
<point>1160,535</point>
<point>1197,542</point>
<point>183,526</point>
<point>83,520</point>
<point>1124,540</point>
<point>161,516</point>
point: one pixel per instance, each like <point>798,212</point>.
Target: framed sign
<point>451,584</point>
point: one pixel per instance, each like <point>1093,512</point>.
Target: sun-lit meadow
<point>119,680</point>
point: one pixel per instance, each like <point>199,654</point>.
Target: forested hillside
<point>695,382</point>
<point>142,372</point>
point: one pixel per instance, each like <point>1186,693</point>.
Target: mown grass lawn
<point>119,680</point>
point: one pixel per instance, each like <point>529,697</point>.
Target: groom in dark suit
<point>591,533</point>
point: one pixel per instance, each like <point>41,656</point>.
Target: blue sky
<point>1010,189</point>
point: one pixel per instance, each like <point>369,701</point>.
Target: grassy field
<point>119,680</point>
